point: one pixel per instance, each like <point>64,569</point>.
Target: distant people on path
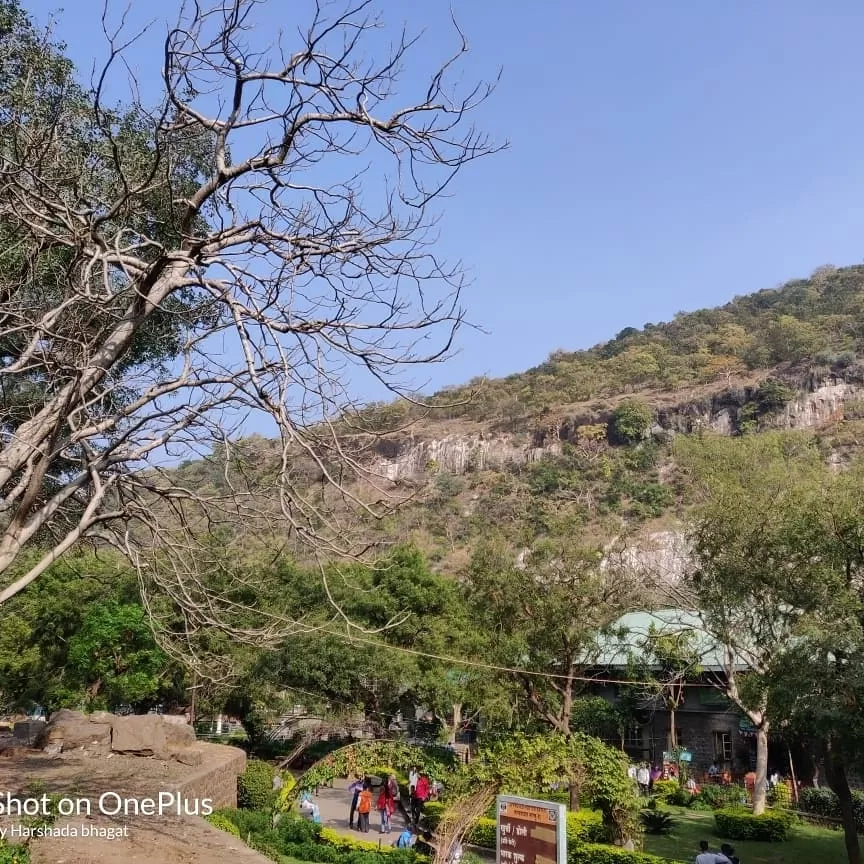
<point>632,771</point>
<point>692,786</point>
<point>386,804</point>
<point>354,790</point>
<point>656,774</point>
<point>364,807</point>
<point>713,771</point>
<point>413,777</point>
<point>706,856</point>
<point>419,797</point>
<point>729,852</point>
<point>643,778</point>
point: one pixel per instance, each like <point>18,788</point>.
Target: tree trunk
<point>574,796</point>
<point>457,722</point>
<point>673,734</point>
<point>835,774</point>
<point>760,791</point>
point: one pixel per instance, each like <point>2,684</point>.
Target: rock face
<point>138,735</point>
<point>814,403</point>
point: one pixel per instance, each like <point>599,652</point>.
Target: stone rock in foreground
<point>134,735</point>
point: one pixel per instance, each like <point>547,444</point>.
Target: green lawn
<point>807,844</point>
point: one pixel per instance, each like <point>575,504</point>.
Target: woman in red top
<point>386,805</point>
<point>419,797</point>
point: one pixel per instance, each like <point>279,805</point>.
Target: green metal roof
<point>629,631</point>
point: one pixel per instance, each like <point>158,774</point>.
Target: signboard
<point>530,831</point>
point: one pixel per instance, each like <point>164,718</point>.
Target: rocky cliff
<point>794,401</point>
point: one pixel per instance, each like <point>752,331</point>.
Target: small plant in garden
<point>657,822</point>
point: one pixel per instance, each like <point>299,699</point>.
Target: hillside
<point>581,445</point>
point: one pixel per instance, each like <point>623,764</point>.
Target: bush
<point>780,796</point>
<point>255,786</point>
<point>631,421</point>
<point>718,797</point>
<point>593,853</point>
<point>220,821</point>
<point>433,812</point>
<point>295,829</point>
<point>664,789</point>
<point>13,854</point>
<point>249,821</point>
<point>740,824</point>
<point>823,802</point>
<point>483,833</point>
<point>657,822</point>
<point>585,826</point>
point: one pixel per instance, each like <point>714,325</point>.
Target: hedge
<point>740,824</point>
<point>594,853</point>
<point>583,826</point>
<point>255,786</point>
<point>823,802</point>
<point>223,823</point>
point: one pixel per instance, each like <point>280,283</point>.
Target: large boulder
<point>71,730</point>
<point>140,734</point>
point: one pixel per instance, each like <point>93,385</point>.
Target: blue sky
<point>664,156</point>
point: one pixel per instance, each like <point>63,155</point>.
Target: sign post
<point>530,831</point>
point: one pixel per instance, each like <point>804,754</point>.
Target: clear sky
<point>664,155</point>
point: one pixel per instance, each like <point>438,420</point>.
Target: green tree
<point>631,421</point>
<point>544,616</point>
<point>750,575</point>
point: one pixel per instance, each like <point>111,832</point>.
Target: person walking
<point>364,808</point>
<point>386,805</point>
<point>419,798</point>
<point>354,791</point>
<point>643,778</point>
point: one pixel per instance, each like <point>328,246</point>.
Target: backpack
<point>393,788</point>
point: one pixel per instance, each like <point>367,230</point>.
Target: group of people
<point>647,775</point>
<point>419,788</point>
<point>726,855</point>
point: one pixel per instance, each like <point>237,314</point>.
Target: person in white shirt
<point>643,778</point>
<point>705,856</point>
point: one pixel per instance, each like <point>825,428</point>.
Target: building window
<point>723,746</point>
<point>634,735</point>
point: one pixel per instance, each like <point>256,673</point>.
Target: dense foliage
<point>741,824</point>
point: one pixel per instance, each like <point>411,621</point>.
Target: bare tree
<point>251,245</point>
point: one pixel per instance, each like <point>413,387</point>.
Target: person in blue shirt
<point>406,839</point>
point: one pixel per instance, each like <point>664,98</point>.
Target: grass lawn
<point>807,844</point>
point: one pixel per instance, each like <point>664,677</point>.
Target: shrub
<point>657,822</point>
<point>295,829</point>
<point>740,824</point>
<point>13,854</point>
<point>586,826</point>
<point>717,797</point>
<point>433,812</point>
<point>249,821</point>
<point>220,821</point>
<point>255,786</point>
<point>631,421</point>
<point>663,789</point>
<point>780,796</point>
<point>823,802</point>
<point>483,833</point>
<point>593,853</point>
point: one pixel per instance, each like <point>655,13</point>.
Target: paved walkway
<point>335,805</point>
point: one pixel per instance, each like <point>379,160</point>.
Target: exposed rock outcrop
<point>814,403</point>
<point>102,733</point>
